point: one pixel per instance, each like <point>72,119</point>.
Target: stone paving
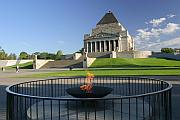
<point>6,79</point>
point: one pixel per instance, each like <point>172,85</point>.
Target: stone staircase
<point>64,64</point>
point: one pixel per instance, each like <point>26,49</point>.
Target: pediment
<point>103,35</point>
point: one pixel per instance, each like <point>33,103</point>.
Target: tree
<point>23,55</point>
<point>51,56</point>
<point>12,56</point>
<point>59,54</point>
<point>3,54</point>
<point>81,50</point>
<point>167,50</point>
<point>43,55</point>
<point>36,53</point>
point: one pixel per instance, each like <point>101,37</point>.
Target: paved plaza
<point>6,78</point>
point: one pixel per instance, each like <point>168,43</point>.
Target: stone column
<point>87,47</point>
<point>110,45</point>
<point>114,45</point>
<point>95,46</point>
<point>119,45</point>
<point>104,46</point>
<point>99,46</point>
<point>35,62</point>
<point>91,47</point>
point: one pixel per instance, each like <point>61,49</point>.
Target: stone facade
<point>134,54</point>
<point>109,35</point>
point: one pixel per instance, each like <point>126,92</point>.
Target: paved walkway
<point>5,80</point>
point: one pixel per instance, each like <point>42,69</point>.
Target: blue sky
<point>50,25</point>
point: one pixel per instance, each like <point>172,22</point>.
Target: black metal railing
<point>132,98</point>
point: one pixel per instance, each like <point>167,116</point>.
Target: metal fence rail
<point>132,98</point>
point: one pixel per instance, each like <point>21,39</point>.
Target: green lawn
<point>106,72</point>
<point>119,66</point>
<point>134,62</point>
<point>28,65</point>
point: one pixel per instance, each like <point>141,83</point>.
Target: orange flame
<point>88,83</point>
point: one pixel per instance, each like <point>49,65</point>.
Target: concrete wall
<point>124,54</point>
<point>166,55</point>
<point>142,54</point>
<point>134,54</point>
<point>36,65</point>
<point>124,44</point>
<point>76,56</point>
<point>99,55</point>
<point>4,63</point>
<point>113,54</point>
<point>39,63</point>
<point>88,61</point>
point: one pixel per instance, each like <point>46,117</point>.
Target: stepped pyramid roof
<point>108,18</point>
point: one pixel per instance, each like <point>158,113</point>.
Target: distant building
<point>176,50</point>
<point>108,35</point>
<point>109,39</point>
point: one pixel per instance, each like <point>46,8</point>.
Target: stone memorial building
<point>108,35</point>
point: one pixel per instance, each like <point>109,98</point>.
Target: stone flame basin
<point>96,92</point>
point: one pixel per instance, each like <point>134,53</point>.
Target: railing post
<point>10,106</point>
<point>170,105</point>
<point>162,85</point>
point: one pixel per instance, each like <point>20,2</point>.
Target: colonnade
<point>102,46</point>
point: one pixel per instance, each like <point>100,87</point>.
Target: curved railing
<point>132,98</point>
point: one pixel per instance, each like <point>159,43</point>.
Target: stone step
<point>64,64</point>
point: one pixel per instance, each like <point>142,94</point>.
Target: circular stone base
<point>86,110</point>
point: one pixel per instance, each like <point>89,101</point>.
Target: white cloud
<point>171,15</point>
<point>143,34</point>
<point>158,40</point>
<point>146,34</point>
<point>157,22</point>
<point>170,28</point>
<point>151,38</point>
<point>146,22</point>
<point>172,43</point>
<point>158,44</point>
